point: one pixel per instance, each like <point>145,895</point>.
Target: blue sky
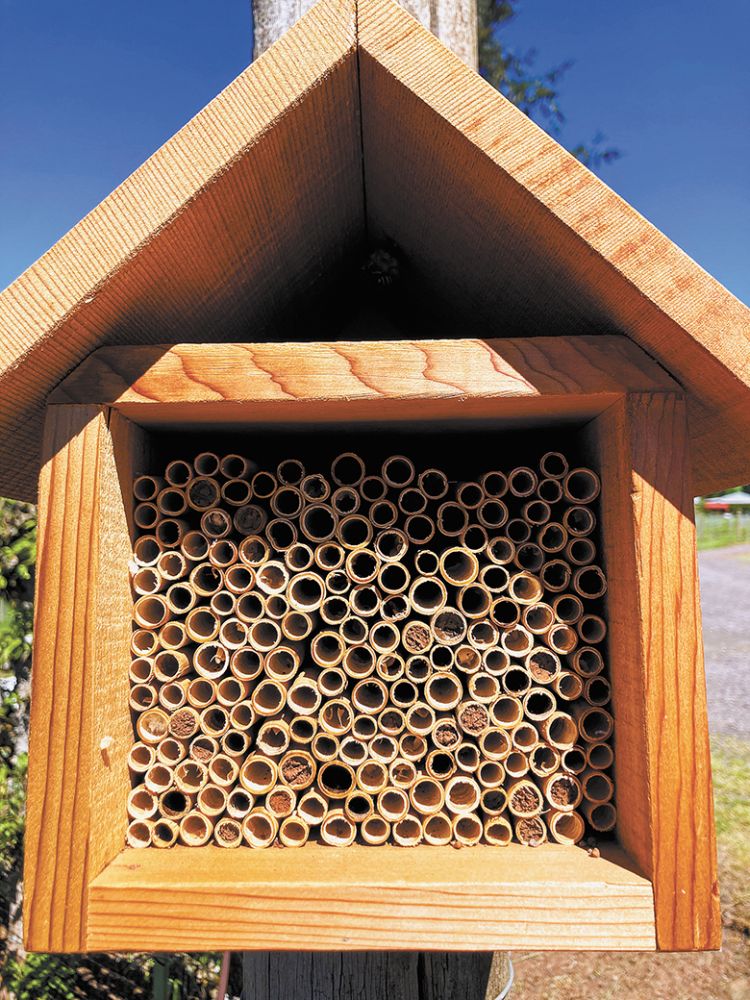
<point>88,90</point>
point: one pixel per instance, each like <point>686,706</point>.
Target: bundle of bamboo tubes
<point>389,657</point>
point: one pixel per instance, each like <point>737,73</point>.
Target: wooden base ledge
<point>317,899</point>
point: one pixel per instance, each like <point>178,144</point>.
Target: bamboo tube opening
<point>280,802</point>
<point>501,550</point>
<point>426,562</point>
<point>264,635</point>
<point>141,757</point>
<point>175,804</point>
<point>173,695</point>
<point>552,538</point>
<point>324,746</point>
<point>246,664</point>
<point>370,696</point>
<point>580,552</point>
<point>273,738</point>
<point>151,611</point>
<point>299,557</point>
<point>544,760</point>
<point>236,492</point>
<point>371,777</point>
<point>222,552</point>
<point>318,522</point>
<point>290,472</point>
<point>566,828</point>
<point>365,601</point>
<point>347,469</point>
<point>536,512</point>
<point>282,534</point>
<point>336,779</point>
<point>202,493</point>
<point>562,639</point>
<point>495,661</point>
<point>139,833</point>
<point>441,764</point>
<point>337,830</point>
<point>498,831</point>
<point>294,832</point>
<point>331,682</point>
<point>494,744</point>
<point>287,502</point>
<point>507,711</point>
<point>362,566</point>
<point>494,484</point>
<point>296,625</point>
<point>336,717</point>
<point>383,514</point>
<point>402,773</point>
<point>364,727</point>
<point>443,691</point>
<point>555,575</point>
<point>467,829</point>
<point>152,725</point>
<point>206,464</point>
<point>505,612</point>
<point>253,551</point>
<point>171,566</point>
<point>233,633</point>
<point>601,815</point>
<point>531,831</point>
<point>562,791</point>
<point>592,628</point>
<point>354,531</point>
<point>173,635</point>
<point>579,520</point>
<point>259,828</point>
<point>581,486</point>
<point>568,608</point>
<point>484,688</point>
<point>194,546</point>
<point>203,748</point>
<point>393,578</point>
<point>201,624</point>
<point>142,696</point>
<point>428,595</point>
<point>272,577</point>
<point>269,697</point>
<point>413,746</point>
<point>529,558</point>
<point>445,735</point>
<point>210,660</point>
<point>282,664</point>
<point>490,774</point>
<point>597,786</point>
<point>522,481</point>
<point>492,514</point>
<point>595,724</point>
<point>146,550</point>
<point>276,606</point>
<point>494,578</point>
<point>452,519</point>
<point>212,800</point>
<point>234,743</point>
<point>304,697</point>
<point>303,728</point>
<point>390,666</point>
<point>416,637</point>
<point>543,665</point>
<point>412,501</point>
<point>449,626</point>
<point>573,760</point>
<point>146,487</point>
<point>327,649</point>
<point>568,686</point>
<point>524,799</point>
<point>420,719</point>
<point>206,579</point>
<point>239,803</point>
<point>172,502</point>
<point>599,756</point>
<point>418,668</point>
<point>597,691</point>
<point>549,490</point>
<point>258,775</point>
<point>419,529</point>
<point>190,776</point>
<point>315,488</point>
<point>358,806</point>
<point>201,693</point>
<point>146,516</point>
<point>216,523</point>
<point>427,796</point>
<point>474,601</point>
<point>352,751</point>
<point>373,488</point>
<point>228,833</point>
<point>442,658</point>
<point>393,804</point>
<point>516,681</point>
<point>539,704</point>
<point>587,661</point>
<point>560,730</point>
<point>462,794</point>
<point>458,566</point>
<point>553,464</point>
<point>525,588</point>
<point>312,808</point>
<point>180,599</point>
<point>524,736</point>
<point>407,832</point>
<point>264,485</point>
<point>473,718</point>
<point>517,641</point>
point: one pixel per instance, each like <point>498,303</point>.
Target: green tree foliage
<point>515,75</point>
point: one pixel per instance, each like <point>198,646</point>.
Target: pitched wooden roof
<point>359,126</point>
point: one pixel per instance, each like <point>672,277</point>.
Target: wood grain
<point>321,899</point>
<point>665,805</point>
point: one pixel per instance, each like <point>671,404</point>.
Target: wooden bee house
<point>219,291</point>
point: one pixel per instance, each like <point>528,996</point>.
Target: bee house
<point>358,310</point>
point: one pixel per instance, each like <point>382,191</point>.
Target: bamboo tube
<point>190,776</point>
<point>493,801</point>
<point>151,611</point>
<point>473,718</point>
<point>312,808</point>
<point>498,831</point>
<point>152,725</point>
<point>393,578</point>
<point>500,550</point>
<point>449,626</point>
<point>531,831</point>
<point>297,769</point>
<point>505,612</point>
<point>290,472</point>
<point>383,514</point>
<point>592,628</point>
<point>347,469</point>
<point>522,482</point>
<point>597,786</point>
<point>142,804</point>
<point>441,764</point>
<point>281,533</point>
<point>579,521</point>
<point>562,639</point>
<point>233,633</point>
<point>407,832</point>
<point>560,730</point>
<point>172,566</point>
<point>296,625</point>
<point>474,539</point>
<point>420,719</point>
<point>383,748</point>
<point>402,773</point>
<point>418,668</point>
<point>327,649</point>
<point>506,711</point>
<point>259,828</point>
<point>390,666</point>
<point>276,606</point>
<point>462,795</point>
<point>467,829</point>
<point>206,579</point>
<point>473,601</point>
<point>371,777</point>
<point>146,515</point>
<point>602,816</point>
<point>543,665</point>
<point>280,802</point>
<point>246,664</point>
<point>555,575</point>
<point>524,736</point>
<point>544,760</point>
<point>524,799</point>
<point>173,635</point>
<point>239,803</point>
<point>562,791</point>
<point>332,682</point>
<point>358,806</point>
<point>549,490</point>
<point>201,493</point>
<point>587,661</point>
<point>235,743</point>
<point>324,747</point>
<point>370,696</point>
<point>443,691</point>
<point>303,728</point>
<point>352,751</point>
<point>269,697</point>
<point>175,804</point>
<point>264,635</point>
<point>525,588</point>
<point>250,607</point>
<point>287,502</point>
<point>282,663</point>
<point>139,833</point>
<point>517,641</point>
<point>354,531</point>
<point>595,724</point>
<point>272,577</point>
<point>141,756</point>
<point>539,704</point>
<point>142,696</point>
<point>494,578</point>
<point>445,735</point>
<point>345,500</point>
<point>552,538</point>
<point>201,624</point>
<point>337,830</point>
<point>210,660</point>
<point>273,738</point>
<point>216,523</point>
<point>529,558</point>
<point>222,553</point>
<point>416,637</point>
<point>516,681</point>
<point>364,727</point>
<point>201,693</point>
<point>299,557</point>
<point>599,756</point>
<point>517,764</point>
<point>580,552</point>
<point>315,488</point>
<point>373,488</point>
<point>203,748</point>
<point>458,566</point>
<point>375,830</point>
<point>581,486</point>
<point>384,637</point>
<point>567,685</point>
<point>195,829</point>
<point>242,716</point>
<point>494,484</point>
<point>365,601</point>
<point>294,832</point>
<point>566,828</point>
<point>337,582</point>
<point>165,833</point>
<point>452,519</point>
<point>492,514</point>
<point>173,695</point>
<point>147,487</point>
<point>304,696</point>
<point>411,501</point>
<point>334,610</point>
<point>319,522</point>
<point>573,760</point>
<point>258,774</point>
<point>597,691</point>
<point>212,800</point>
<point>495,743</point>
<point>171,502</point>
<point>146,550</point>
<point>536,512</point>
<point>427,796</point>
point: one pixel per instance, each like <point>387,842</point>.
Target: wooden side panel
<point>57,860</point>
<point>319,899</point>
<point>663,775</point>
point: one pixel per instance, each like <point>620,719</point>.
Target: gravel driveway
<point>725,600</point>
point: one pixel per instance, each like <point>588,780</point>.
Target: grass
<point>715,531</point>
<point>731,773</point>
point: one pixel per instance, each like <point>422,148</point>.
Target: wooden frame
<point>657,889</point>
